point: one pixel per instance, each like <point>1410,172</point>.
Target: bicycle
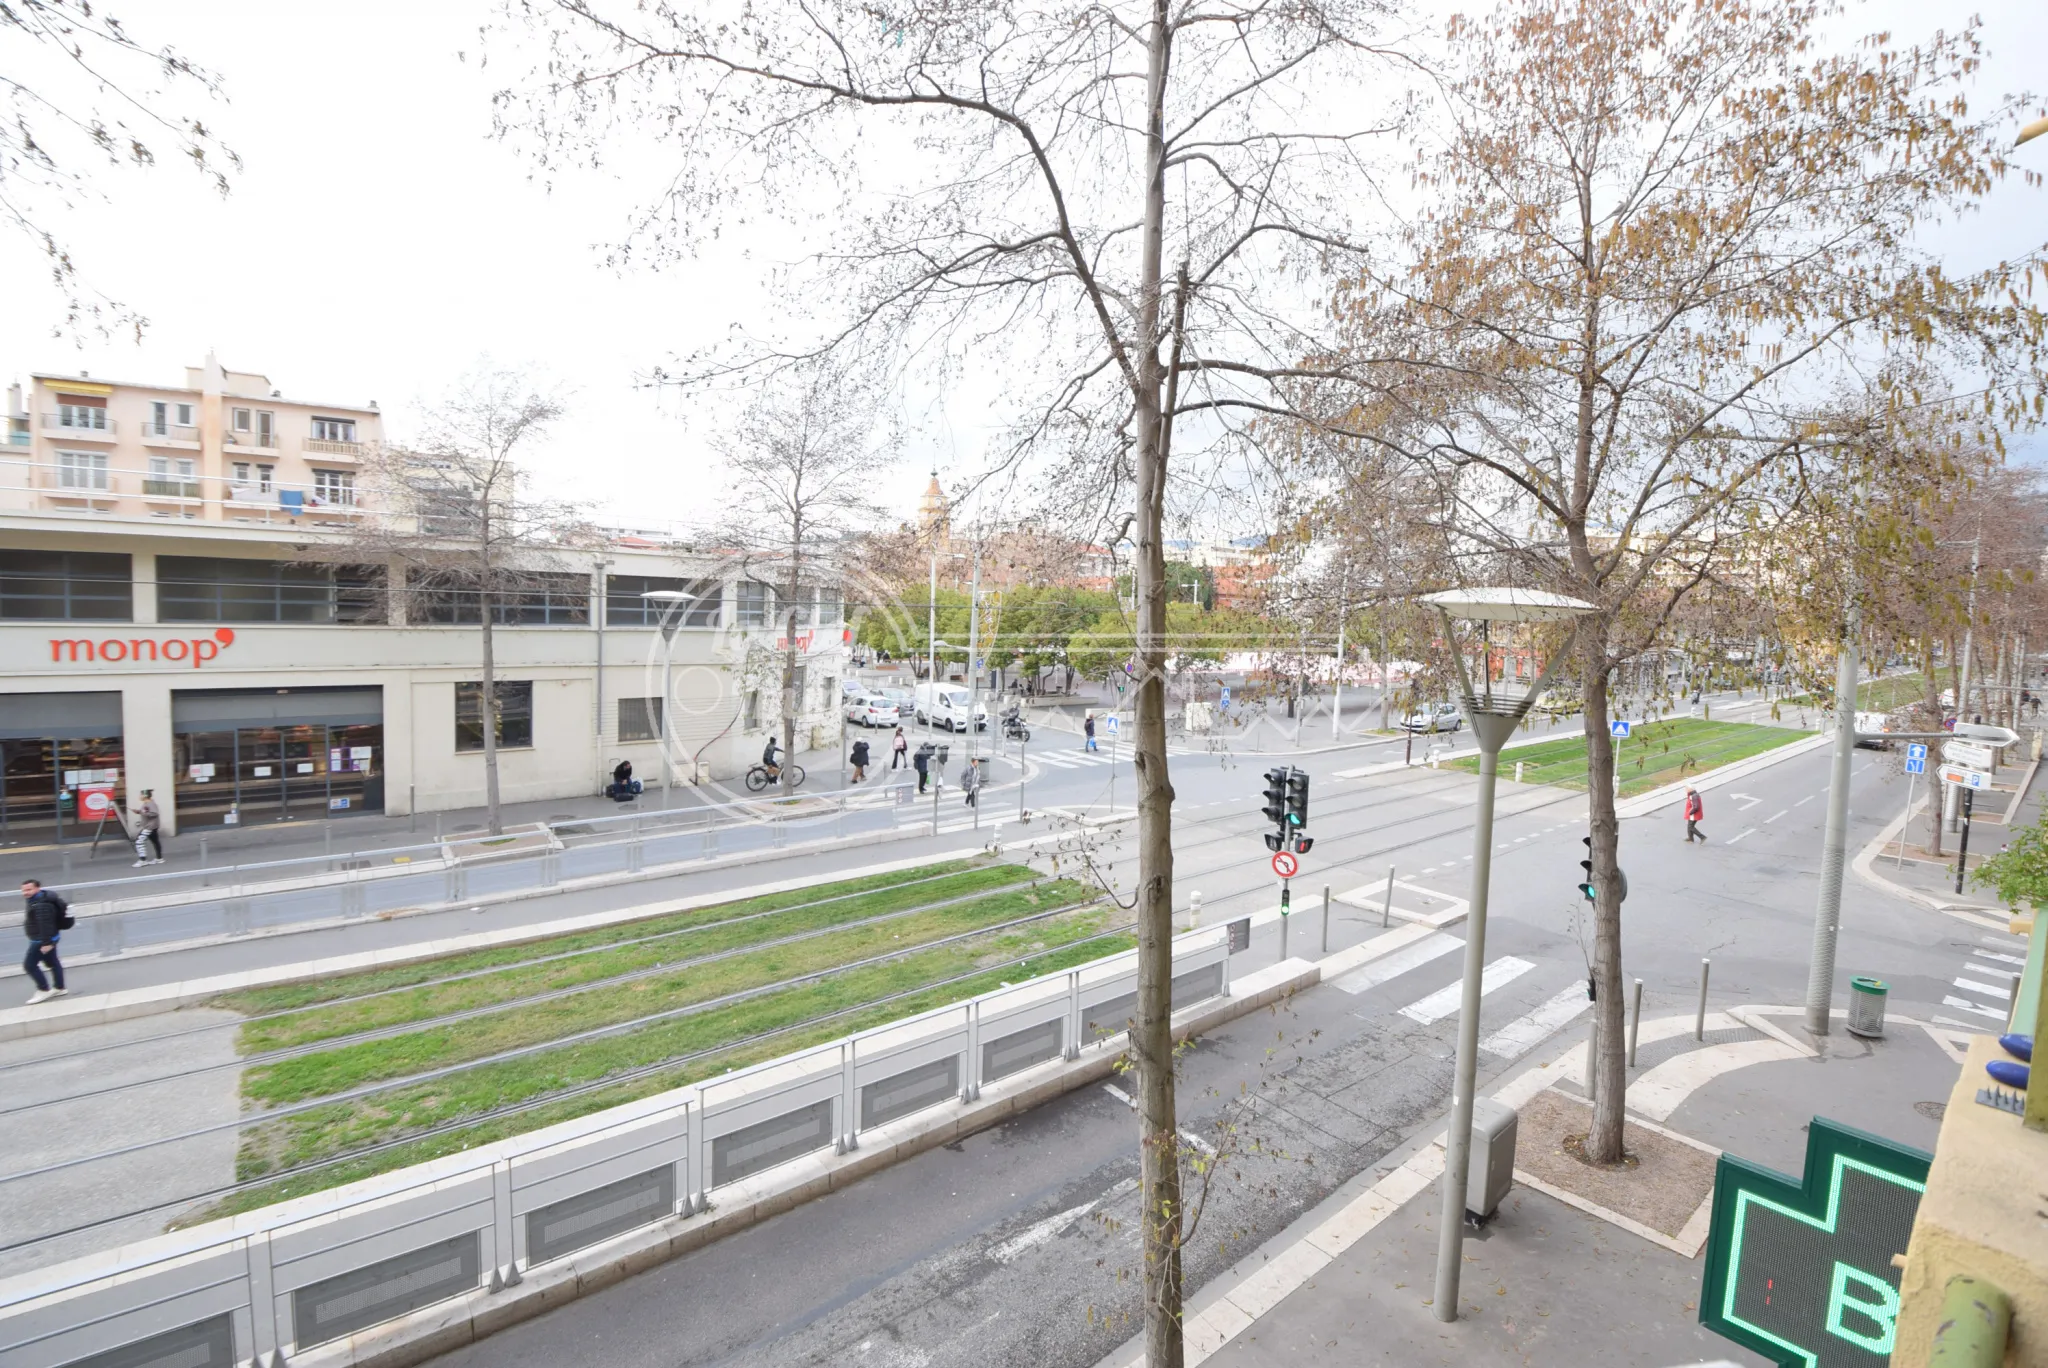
<point>758,778</point>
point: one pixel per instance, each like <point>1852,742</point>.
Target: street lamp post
<point>1493,722</point>
<point>671,602</point>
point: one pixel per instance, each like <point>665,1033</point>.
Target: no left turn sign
<point>1286,865</point>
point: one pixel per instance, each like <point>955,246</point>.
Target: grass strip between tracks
<point>703,931</point>
<point>325,1132</point>
<point>323,1073</point>
<point>1652,755</point>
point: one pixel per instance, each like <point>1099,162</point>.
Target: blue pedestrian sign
<point>1225,700</point>
<point>1109,724</point>
<point>1916,764</point>
<point>1620,729</point>
<point>1916,750</point>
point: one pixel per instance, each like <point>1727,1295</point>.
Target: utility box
<point>1492,1170</point>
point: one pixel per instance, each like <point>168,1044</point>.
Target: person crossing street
<point>1088,731</point>
<point>899,751</point>
<point>1695,813</point>
<point>860,760</point>
<point>149,821</point>
<point>44,917</point>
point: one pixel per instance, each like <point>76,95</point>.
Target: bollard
<point>1284,919</point>
<point>1518,771</point>
<point>1194,908</point>
<point>1326,919</point>
<point>412,808</point>
<point>1635,1021</point>
<point>67,864</point>
<point>328,854</point>
<point>1387,908</point>
<point>1699,1024</point>
<point>202,852</point>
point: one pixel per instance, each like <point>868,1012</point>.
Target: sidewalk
<point>1579,1266</point>
<point>1897,862</point>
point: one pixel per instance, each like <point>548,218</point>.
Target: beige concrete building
<point>167,622</point>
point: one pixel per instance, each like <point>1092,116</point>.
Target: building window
<point>623,606</point>
<point>82,470</point>
<point>184,415</point>
<point>266,429</point>
<point>80,413</point>
<point>159,418</point>
<point>754,598</point>
<point>513,714</point>
<point>222,589</point>
<point>66,586</point>
<point>639,719</point>
<point>173,479</point>
<point>334,429</point>
<point>335,487</point>
<point>531,599</point>
<point>243,420</point>
<point>752,719</point>
<point>828,607</point>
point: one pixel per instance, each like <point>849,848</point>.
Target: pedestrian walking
<point>1695,813</point>
<point>899,751</point>
<point>44,918</point>
<point>1088,731</point>
<point>970,781</point>
<point>149,820</point>
<point>860,760</point>
<point>922,763</point>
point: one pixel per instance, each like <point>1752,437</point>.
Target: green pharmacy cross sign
<point>1801,1272</point>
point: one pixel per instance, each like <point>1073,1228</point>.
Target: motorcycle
<point>1014,728</point>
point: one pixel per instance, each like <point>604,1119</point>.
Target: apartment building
<point>179,611</point>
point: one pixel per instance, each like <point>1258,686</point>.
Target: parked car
<point>850,689</point>
<point>872,710</point>
<point>1871,722</point>
<point>1434,717</point>
<point>904,699</point>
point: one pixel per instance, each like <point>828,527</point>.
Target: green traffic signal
<point>1297,797</point>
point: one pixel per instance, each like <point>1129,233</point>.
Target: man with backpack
<point>860,760</point>
<point>44,917</point>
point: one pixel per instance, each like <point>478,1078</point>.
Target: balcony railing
<point>325,446</point>
<point>168,432</point>
<point>155,487</point>
<point>255,441</point>
<point>75,425</point>
<point>70,489</point>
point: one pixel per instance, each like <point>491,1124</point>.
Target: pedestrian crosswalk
<point>1083,759</point>
<point>1446,1000</point>
<point>1987,975</point>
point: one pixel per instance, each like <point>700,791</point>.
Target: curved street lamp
<point>1494,719</point>
<point>671,602</point>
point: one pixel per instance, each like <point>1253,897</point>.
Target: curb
<point>1865,866</point>
<point>1643,804</point>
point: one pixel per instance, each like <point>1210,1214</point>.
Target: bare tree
<point>803,461</point>
<point>86,90</point>
<point>460,540</point>
<point>1658,236</point>
<point>1029,210</point>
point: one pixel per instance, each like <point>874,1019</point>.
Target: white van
<point>945,705</point>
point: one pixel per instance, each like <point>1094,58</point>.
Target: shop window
<point>828,607</point>
<point>524,599</point>
<point>623,606</point>
<point>223,589</point>
<point>513,715</point>
<point>639,719</point>
<point>66,586</point>
<point>752,722</point>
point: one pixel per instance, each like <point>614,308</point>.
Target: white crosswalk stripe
<point>1995,998</point>
<point>1444,1001</point>
<point>1526,1032</point>
<point>1392,966</point>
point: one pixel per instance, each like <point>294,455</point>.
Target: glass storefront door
<point>278,774</point>
<point>51,788</point>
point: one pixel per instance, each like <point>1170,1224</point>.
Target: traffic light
<point>1276,797</point>
<point>1591,894</point>
<point>1297,798</point>
<point>1276,841</point>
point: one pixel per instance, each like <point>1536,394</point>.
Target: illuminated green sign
<point>1801,1271</point>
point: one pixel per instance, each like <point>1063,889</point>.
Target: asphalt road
<point>1017,1245</point>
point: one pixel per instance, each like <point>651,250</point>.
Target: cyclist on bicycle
<point>769,760</point>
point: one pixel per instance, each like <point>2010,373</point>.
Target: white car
<point>871,710</point>
<point>1437,717</point>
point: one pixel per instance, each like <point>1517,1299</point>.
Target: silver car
<point>1434,717</point>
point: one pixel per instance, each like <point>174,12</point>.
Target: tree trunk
<point>1933,785</point>
<point>1604,1144</point>
<point>1152,1033</point>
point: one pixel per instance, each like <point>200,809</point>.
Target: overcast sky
<point>379,242</point>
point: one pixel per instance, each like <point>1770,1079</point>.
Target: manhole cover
<point>1933,1111</point>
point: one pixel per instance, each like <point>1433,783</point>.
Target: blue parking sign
<point>1619,728</point>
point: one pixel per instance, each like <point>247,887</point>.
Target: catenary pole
<point>1827,915</point>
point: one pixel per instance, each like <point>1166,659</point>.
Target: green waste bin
<point>1866,1006</point>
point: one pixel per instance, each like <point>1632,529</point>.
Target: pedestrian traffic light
<point>1297,798</point>
<point>1276,797</point>
<point>1591,894</point>
<point>1276,841</point>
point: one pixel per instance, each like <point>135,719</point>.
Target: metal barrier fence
<point>277,1281</point>
<point>154,911</point>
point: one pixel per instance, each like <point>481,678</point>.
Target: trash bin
<point>1866,1006</point>
<point>1492,1169</point>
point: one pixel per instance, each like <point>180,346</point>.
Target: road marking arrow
<point>1746,801</point>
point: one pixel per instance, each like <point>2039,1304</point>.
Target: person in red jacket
<point>1695,813</point>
